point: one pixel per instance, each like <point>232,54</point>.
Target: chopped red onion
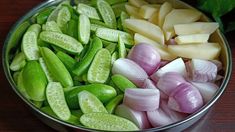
<point>142,99</point>
<point>169,81</point>
<point>185,98</point>
<point>206,89</point>
<point>203,70</point>
<point>138,117</point>
<point>150,84</point>
<point>146,56</point>
<point>176,65</point>
<point>130,70</point>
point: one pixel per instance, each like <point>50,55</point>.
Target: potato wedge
<point>138,38</point>
<point>138,3</point>
<point>196,28</point>
<point>146,11</point>
<point>163,11</point>
<point>132,11</point>
<point>154,18</point>
<point>180,16</point>
<point>194,38</point>
<point>207,51</point>
<point>145,28</point>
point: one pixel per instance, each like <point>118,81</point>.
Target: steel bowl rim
<point>188,118</point>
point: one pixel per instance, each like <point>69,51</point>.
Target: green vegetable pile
<point>64,63</point>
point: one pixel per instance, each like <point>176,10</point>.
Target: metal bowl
<point>13,41</point>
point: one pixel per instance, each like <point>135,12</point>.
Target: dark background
<point>15,116</point>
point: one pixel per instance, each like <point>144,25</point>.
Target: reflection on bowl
<point>13,41</point>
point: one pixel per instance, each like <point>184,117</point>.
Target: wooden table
<point>15,116</point>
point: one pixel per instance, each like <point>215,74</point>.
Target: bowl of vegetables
<point>117,65</point>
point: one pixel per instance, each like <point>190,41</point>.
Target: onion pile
<point>167,92</point>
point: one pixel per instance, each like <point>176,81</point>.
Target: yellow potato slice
<point>138,3</point>
<point>194,38</point>
<point>146,11</point>
<point>132,11</point>
<point>163,11</point>
<point>145,28</point>
<point>207,51</point>
<point>179,16</point>
<point>196,28</point>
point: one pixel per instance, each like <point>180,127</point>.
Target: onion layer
<point>142,99</point>
<point>146,56</point>
<point>207,89</point>
<point>138,117</point>
<point>176,65</point>
<point>185,98</point>
<point>169,81</point>
<point>203,70</point>
<point>130,70</point>
<point>150,84</point>
<point>164,115</point>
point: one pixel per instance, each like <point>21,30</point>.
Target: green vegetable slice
<point>20,85</point>
<point>34,81</point>
<point>89,103</point>
<point>48,74</point>
<point>114,57</point>
<point>56,100</point>
<point>103,92</point>
<point>107,13</point>
<point>84,29</point>
<point>56,67</point>
<point>82,66</point>
<point>107,122</point>
<point>97,24</point>
<point>122,82</point>
<point>63,41</point>
<point>100,67</point>
<point>72,28</point>
<point>18,62</point>
<point>54,13</point>
<point>88,11</point>
<point>51,26</point>
<point>111,106</point>
<point>30,43</point>
<point>111,47</point>
<point>67,60</point>
<point>63,18</point>
<point>112,35</point>
<point>121,48</point>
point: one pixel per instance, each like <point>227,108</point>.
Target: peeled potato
<point>179,16</point>
<point>132,11</point>
<point>138,38</point>
<point>207,51</point>
<point>154,18</point>
<point>161,49</point>
<point>163,11</point>
<point>145,28</point>
<point>196,28</point>
<point>165,54</point>
<point>138,3</point>
<point>194,38</point>
<point>146,11</point>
